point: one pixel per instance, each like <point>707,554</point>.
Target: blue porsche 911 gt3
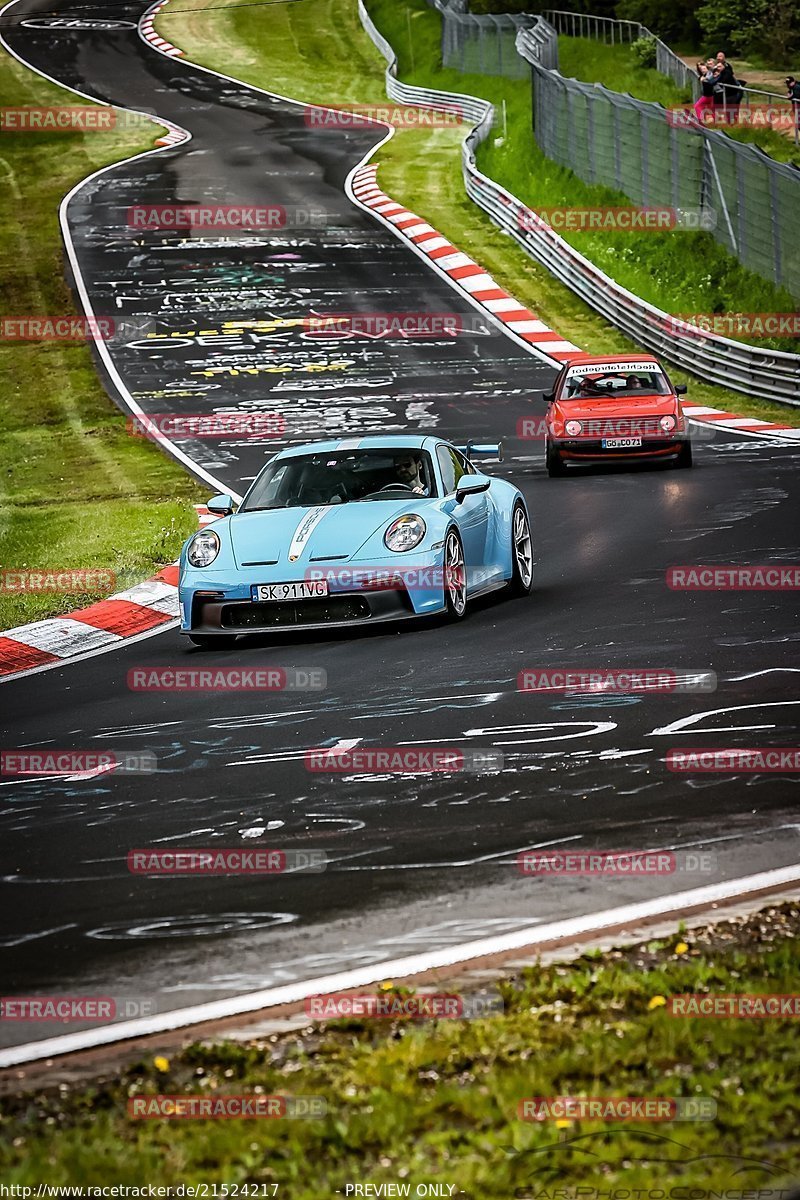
<point>355,531</point>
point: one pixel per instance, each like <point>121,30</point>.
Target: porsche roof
<point>384,441</point>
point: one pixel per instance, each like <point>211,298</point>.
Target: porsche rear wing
<point>482,450</point>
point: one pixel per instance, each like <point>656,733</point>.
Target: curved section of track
<point>416,862</point>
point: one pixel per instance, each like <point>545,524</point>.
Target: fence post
<point>644,143</point>
<point>775,228</point>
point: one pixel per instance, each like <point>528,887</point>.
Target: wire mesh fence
<point>772,374</point>
<point>615,33</point>
<point>486,45</point>
<point>747,200</point>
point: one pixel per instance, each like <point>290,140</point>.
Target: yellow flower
<point>681,948</point>
<point>160,1063</point>
<point>656,1002</point>
<point>387,985</point>
<point>563,1123</point>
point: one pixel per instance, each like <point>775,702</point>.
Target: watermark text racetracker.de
<point>338,1006</point>
<point>535,429</point>
<point>221,860</point>
<point>77,764</point>
<point>66,118</point>
<point>615,680</point>
<point>734,577</point>
<point>742,1006</point>
<point>75,1009</point>
<point>362,116</point>
<point>733,324</point>
<point>64,580</point>
<point>404,325</point>
<point>615,218</point>
<point>617,1108</point>
<point>735,761</point>
<point>367,577</point>
<point>402,760</point>
<point>227,679</point>
<point>254,426</point>
<point>36,327</point>
<point>628,863</point>
<point>225,218</point>
<point>189,1107</point>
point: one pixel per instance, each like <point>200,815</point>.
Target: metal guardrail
<point>614,32</point>
<point>771,374</point>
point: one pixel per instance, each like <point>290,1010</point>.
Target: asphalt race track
<point>415,862</point>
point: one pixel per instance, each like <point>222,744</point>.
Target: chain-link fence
<point>772,374</point>
<point>486,45</point>
<point>656,158</point>
<point>776,111</point>
<point>614,33</point>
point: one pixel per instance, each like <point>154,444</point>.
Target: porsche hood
<point>302,535</point>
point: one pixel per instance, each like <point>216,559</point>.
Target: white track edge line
<point>399,968</point>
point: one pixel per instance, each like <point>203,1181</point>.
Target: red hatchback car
<point>612,408</point>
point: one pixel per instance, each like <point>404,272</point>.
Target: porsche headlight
<point>203,548</point>
<point>573,428</point>
<point>667,424</point>
<point>405,533</point>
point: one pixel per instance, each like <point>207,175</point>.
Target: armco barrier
<point>771,374</point>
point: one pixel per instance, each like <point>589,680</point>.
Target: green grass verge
<point>319,53</point>
<point>439,1101</point>
<point>75,489</point>
<point>617,68</point>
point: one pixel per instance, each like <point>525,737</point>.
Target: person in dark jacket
<point>724,83</point>
<point>793,94</point>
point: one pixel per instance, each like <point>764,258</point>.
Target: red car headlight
<point>573,428</point>
<point>668,423</point>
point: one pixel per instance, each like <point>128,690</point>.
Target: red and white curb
<point>730,421</point>
<point>155,39</point>
<point>461,269</point>
<point>138,610</point>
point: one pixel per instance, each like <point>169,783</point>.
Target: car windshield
<point>341,477</point>
<point>592,383</point>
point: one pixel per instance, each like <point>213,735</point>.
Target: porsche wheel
<point>521,552</point>
<point>210,641</point>
<point>455,577</point>
<point>553,460</point>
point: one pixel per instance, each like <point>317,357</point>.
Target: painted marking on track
<point>414,964</point>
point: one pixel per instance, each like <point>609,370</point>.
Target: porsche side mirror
<point>470,485</point>
<point>548,397</point>
<point>680,389</point>
<point>221,506</point>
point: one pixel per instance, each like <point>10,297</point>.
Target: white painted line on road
<point>400,968</point>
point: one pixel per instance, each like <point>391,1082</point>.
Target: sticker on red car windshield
<point>608,368</point>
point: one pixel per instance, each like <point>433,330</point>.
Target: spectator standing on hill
<point>705,101</point>
<point>793,94</point>
<point>725,85</point>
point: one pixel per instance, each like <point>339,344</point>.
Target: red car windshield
<point>614,383</point>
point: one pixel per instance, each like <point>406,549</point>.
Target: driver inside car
<point>409,473</point>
